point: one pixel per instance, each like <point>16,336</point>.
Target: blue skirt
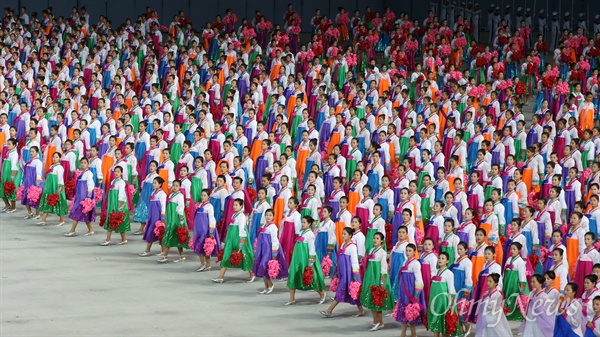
<point>321,248</point>
<point>254,227</point>
<point>142,209</point>
<point>373,182</point>
<point>397,262</point>
<point>562,328</point>
<point>216,204</point>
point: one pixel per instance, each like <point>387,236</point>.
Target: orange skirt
<point>301,165</point>
<point>339,228</point>
<point>218,168</point>
<point>50,150</point>
<point>291,105</point>
<point>478,263</point>
<point>527,178</point>
<point>165,175</point>
<point>353,199</point>
<point>256,150</point>
<point>70,133</point>
<point>572,255</point>
<point>384,85</point>
<point>450,180</point>
<point>499,253</point>
<point>335,140</point>
<point>393,158</point>
<point>278,208</point>
<point>117,114</point>
<point>275,72</point>
<point>107,162</point>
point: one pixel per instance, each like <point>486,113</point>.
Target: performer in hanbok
<point>32,177</point>
<point>175,222</point>
<point>442,285</point>
<point>117,204</point>
<point>303,259</point>
<point>54,189</point>
<point>157,210</point>
<point>539,321</point>
<point>347,272</point>
<point>411,291</point>
<point>376,275</point>
<point>268,249</point>
<point>11,173</point>
<point>236,241</point>
<point>492,321</point>
<point>515,281</point>
<point>84,193</point>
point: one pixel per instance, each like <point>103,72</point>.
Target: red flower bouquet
<point>520,89</point>
<point>159,230</point>
<point>451,322</point>
<point>70,187</point>
<point>236,258</point>
<point>9,187</point>
<point>220,255</point>
<point>379,294</point>
<point>307,276</point>
<point>480,62</point>
<point>388,236</point>
<point>115,219</point>
<point>541,47</point>
<point>182,234</point>
<point>52,199</point>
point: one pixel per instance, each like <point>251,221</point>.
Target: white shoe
<point>202,267</point>
<point>323,299</point>
<point>35,217</point>
<point>375,327</point>
<point>251,280</point>
<point>124,242</point>
<point>28,216</point>
<point>11,210</point>
<point>270,290</point>
<point>105,243</point>
<point>89,233</point>
<point>262,292</point>
<point>218,280</point>
<point>144,254</point>
<point>180,259</point>
<point>163,259</point>
<point>59,224</point>
<point>70,234</point>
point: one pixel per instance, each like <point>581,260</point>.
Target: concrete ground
<point>52,285</point>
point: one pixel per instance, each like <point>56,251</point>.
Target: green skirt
<point>6,176</point>
<point>305,212</point>
<point>360,113</point>
<point>450,251</point>
<point>518,150</point>
<point>372,278</point>
<point>403,146</point>
<point>438,306</point>
<point>425,209</point>
<point>265,118</point>
<point>369,239</point>
<point>511,294</point>
<point>196,189</point>
<point>50,187</point>
<point>172,223</point>
<point>176,152</point>
<point>295,122</point>
<point>350,168</point>
<point>114,205</point>
<point>420,179</point>
<point>135,122</point>
<point>488,192</point>
<point>298,264</point>
<point>584,159</point>
<point>232,243</point>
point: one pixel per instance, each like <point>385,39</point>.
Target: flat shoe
<point>60,224</point>
<point>323,299</point>
<point>325,313</point>
<point>123,242</point>
<point>209,268</point>
<point>144,254</point>
<point>105,243</point>
<point>138,233</point>
<point>70,234</point>
<point>217,280</point>
<point>270,290</point>
<point>290,303</point>
<point>89,233</point>
<point>202,267</point>
<point>180,259</point>
<point>163,260</point>
<point>262,292</point>
<point>251,280</point>
<point>360,314</point>
<point>43,223</point>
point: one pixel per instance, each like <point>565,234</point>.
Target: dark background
<point>201,11</point>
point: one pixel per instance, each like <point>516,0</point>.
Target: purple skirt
<point>570,201</point>
<point>496,157</point>
<point>264,255</point>
<point>328,183</point>
<point>458,206</point>
<point>201,233</point>
<point>153,216</point>
<point>344,274</point>
<point>29,179</point>
<point>397,197</point>
<point>261,168</point>
<point>463,237</point>
<point>405,297</point>
<point>77,214</point>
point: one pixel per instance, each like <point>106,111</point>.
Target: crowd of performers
<point>414,182</point>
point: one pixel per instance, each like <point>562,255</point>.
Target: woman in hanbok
<point>84,189</point>
<point>32,176</point>
<point>411,291</point>
<point>305,256</point>
<point>12,173</point>
<point>347,271</point>
<point>236,240</point>
<point>326,241</point>
<point>492,321</point>
<point>515,282</point>
<point>117,203</point>
<point>175,222</point>
<point>568,321</point>
<point>157,209</point>
<point>539,320</point>
<point>54,185</point>
<point>589,293</point>
<point>376,274</point>
<point>397,260</point>
<point>205,226</point>
<point>463,280</point>
<point>143,206</point>
<point>268,249</point>
<point>442,285</point>
<point>490,267</point>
